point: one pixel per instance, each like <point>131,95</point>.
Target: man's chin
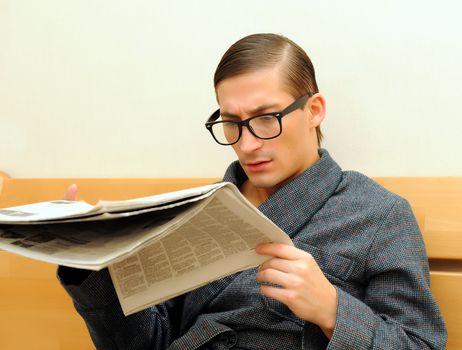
<point>263,181</point>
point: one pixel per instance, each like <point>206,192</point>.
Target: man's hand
<point>71,193</point>
<point>305,290</point>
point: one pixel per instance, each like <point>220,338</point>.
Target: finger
<point>279,250</point>
<point>283,265</point>
<point>276,277</point>
<point>71,193</point>
<point>276,293</point>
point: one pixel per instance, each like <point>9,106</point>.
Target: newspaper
<point>64,211</point>
<point>155,247</point>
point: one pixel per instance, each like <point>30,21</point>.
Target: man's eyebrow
<point>253,112</point>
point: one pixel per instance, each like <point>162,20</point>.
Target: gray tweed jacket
<point>365,240</point>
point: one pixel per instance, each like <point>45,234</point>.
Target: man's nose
<point>249,142</point>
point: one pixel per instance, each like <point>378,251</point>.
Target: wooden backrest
<point>437,205</point>
<point>30,297</point>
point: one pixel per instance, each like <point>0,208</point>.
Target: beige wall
<point>122,88</point>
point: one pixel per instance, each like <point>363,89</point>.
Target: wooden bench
<point>36,313</point>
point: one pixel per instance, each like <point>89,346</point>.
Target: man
<point>357,277</point>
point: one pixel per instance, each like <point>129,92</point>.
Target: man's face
<point>268,163</point>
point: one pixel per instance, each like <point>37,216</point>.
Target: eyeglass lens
<point>264,127</point>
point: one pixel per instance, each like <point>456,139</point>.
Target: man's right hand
<point>71,193</point>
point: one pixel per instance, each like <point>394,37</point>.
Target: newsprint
<point>155,247</point>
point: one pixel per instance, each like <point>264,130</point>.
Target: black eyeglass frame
<point>298,103</point>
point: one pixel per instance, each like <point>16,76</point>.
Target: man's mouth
<point>257,166</point>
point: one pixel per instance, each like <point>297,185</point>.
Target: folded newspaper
<point>155,247</point>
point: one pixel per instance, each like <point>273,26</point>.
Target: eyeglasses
<point>266,126</point>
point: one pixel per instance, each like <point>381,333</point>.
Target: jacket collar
<point>293,204</point>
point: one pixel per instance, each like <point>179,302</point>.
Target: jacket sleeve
<point>398,310</point>
<point>96,301</point>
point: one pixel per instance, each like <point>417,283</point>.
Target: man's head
<point>259,51</point>
<point>261,74</point>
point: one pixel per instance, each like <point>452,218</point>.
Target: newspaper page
<point>213,241</point>
<point>64,210</point>
<point>89,245</point>
<point>96,241</point>
<point>154,254</point>
<point>45,211</point>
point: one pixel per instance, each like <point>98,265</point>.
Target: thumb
<point>71,193</point>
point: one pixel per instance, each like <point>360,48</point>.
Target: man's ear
<point>317,109</point>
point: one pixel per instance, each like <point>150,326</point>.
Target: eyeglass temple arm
<point>300,102</point>
<point>215,115</point>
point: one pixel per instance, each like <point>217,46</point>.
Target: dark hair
<point>260,51</point>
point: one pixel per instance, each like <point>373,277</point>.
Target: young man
<point>357,277</point>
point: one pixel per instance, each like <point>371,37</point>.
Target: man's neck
<point>255,195</point>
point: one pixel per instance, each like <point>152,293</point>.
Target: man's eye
<point>266,119</point>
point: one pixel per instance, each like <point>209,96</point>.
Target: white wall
<point>105,88</point>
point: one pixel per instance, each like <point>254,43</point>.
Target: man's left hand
<point>304,288</point>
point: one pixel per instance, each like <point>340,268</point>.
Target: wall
<point>122,88</point>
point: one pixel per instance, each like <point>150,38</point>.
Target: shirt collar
<point>293,204</point>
